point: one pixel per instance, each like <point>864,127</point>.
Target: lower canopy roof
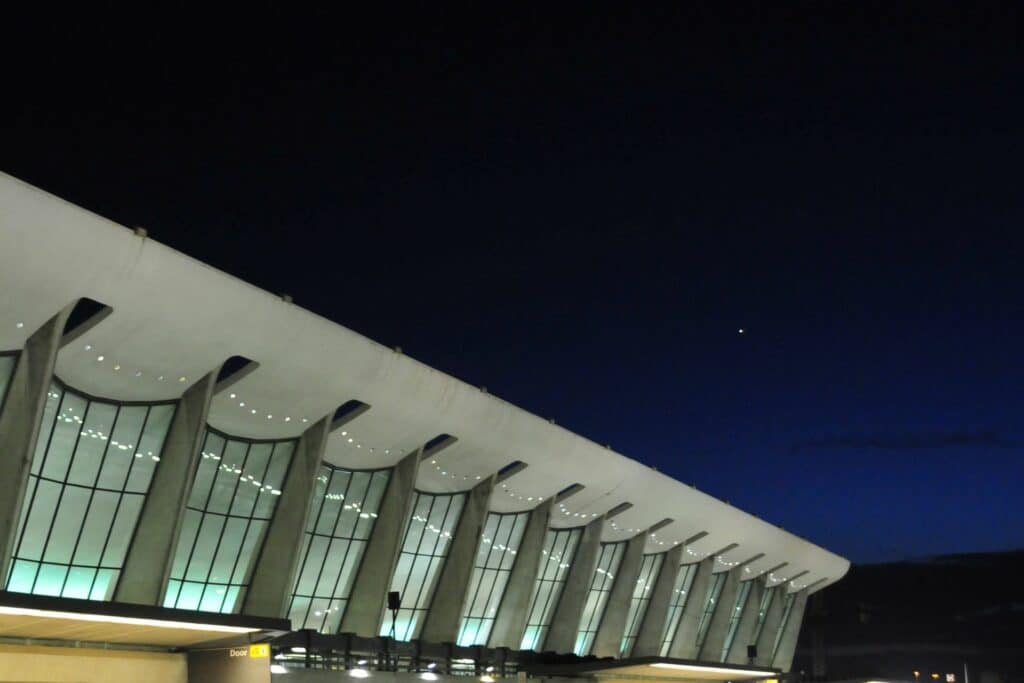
<point>656,667</point>
<point>41,617</point>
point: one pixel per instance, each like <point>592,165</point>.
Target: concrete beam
<point>273,576</point>
<point>652,626</point>
<point>783,658</point>
<point>441,624</point>
<point>718,628</point>
<point>373,580</point>
<point>565,621</point>
<point>737,653</point>
<point>20,418</point>
<point>611,628</point>
<point>513,611</point>
<point>684,642</point>
<point>147,565</point>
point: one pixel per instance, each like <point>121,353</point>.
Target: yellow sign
<point>259,650</point>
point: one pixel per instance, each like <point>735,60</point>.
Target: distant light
<point>361,662</point>
<point>19,325</point>
<point>487,679</point>
<point>741,330</point>
<point>253,411</point>
<point>428,676</point>
<point>181,379</point>
<point>344,433</point>
<point>99,358</point>
<point>489,669</point>
<point>359,673</point>
<point>287,419</point>
<point>88,347</point>
<point>278,669</point>
<point>432,665</point>
<point>232,396</point>
<point>117,367</point>
<point>299,650</point>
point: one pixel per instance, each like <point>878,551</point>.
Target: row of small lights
<point>138,373</point>
<point>95,433</point>
<point>241,475</point>
<point>445,473</point>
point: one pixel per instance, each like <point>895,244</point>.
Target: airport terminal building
<point>194,467</point>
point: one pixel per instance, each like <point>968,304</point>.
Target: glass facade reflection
<point>608,560</point>
<point>229,508</point>
<point>649,569</point>
<point>680,594</point>
<point>762,613</point>
<point>734,617</point>
<point>717,582</point>
<point>90,474</point>
<point>424,549</point>
<point>556,559</point>
<point>786,611</point>
<point>341,519</point>
<point>498,546</point>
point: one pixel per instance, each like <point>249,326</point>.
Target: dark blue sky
<point>579,210</point>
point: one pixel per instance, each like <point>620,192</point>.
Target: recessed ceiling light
<point>88,347</point>
<point>99,358</point>
<point>181,379</point>
<point>19,325</point>
<point>232,396</point>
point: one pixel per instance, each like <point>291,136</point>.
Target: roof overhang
<point>657,668</point>
<point>45,618</point>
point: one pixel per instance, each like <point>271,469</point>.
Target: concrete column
<point>790,633</point>
<point>711,650</point>
<point>19,426</point>
<point>565,622</point>
<point>772,622</point>
<point>684,642</point>
<point>513,611</point>
<point>608,639</point>
<point>147,565</point>
<point>652,627</point>
<point>370,590</point>
<point>737,653</point>
<point>273,576</point>
<point>441,624</point>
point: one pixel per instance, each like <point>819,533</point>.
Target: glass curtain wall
<point>424,549</point>
<point>229,508</point>
<point>762,613</point>
<point>717,582</point>
<point>786,611</point>
<point>498,546</point>
<point>556,558</point>
<point>680,593</point>
<point>734,617</point>
<point>608,560</point>
<point>649,570</point>
<point>90,474</point>
<point>342,516</point>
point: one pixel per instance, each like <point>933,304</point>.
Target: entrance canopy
<point>44,618</point>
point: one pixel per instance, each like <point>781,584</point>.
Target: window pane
<point>499,543</point>
<point>556,558</point>
<point>233,497</point>
<point>331,551</point>
<point>430,529</point>
<point>77,515</point>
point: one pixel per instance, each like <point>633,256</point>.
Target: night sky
<point>580,210</point>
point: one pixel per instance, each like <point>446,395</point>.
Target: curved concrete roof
<point>175,319</point>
